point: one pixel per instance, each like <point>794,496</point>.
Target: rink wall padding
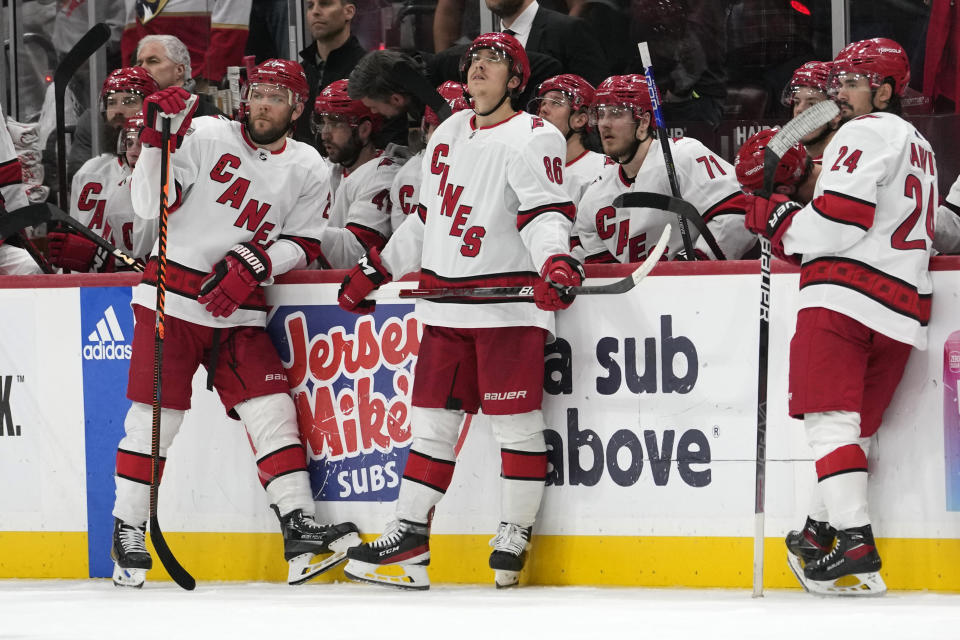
<point>650,411</point>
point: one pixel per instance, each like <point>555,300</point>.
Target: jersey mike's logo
<point>106,341</point>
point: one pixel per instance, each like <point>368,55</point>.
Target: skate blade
<point>397,576</point>
<point>796,565</point>
<point>506,579</point>
<point>129,577</point>
<point>308,566</point>
<point>854,585</point>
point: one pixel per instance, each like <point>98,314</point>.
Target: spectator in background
<point>269,30</point>
<point>392,84</point>
<point>941,70</point>
<point>334,52</point>
<point>167,59</point>
<point>214,31</point>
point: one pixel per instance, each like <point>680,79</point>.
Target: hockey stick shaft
<point>665,144</point>
<point>525,293</point>
<point>92,40</point>
<point>174,568</point>
<point>678,206</point>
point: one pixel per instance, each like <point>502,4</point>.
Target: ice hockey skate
<point>852,568</point>
<point>509,554</point>
<point>398,558</point>
<point>131,560</point>
<point>808,545</point>
<point>311,549</point>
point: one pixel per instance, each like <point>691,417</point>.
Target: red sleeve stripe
<point>434,473</point>
<point>523,465</point>
<point>136,467</point>
<point>368,237</point>
<point>893,293</point>
<point>847,459</point>
<point>10,173</point>
<point>281,462</point>
<point>310,246</point>
<point>845,209</point>
<point>601,258</point>
<point>733,203</point>
<point>422,212</point>
<point>566,209</point>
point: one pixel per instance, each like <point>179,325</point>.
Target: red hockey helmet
<point>334,102</point>
<point>792,170</point>
<point>876,58</point>
<point>508,46</point>
<point>134,80</point>
<point>578,91</point>
<point>130,133</point>
<point>282,73</point>
<point>814,74</point>
<point>452,92</point>
<point>622,91</point>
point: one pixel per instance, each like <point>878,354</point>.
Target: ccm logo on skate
<point>505,395</point>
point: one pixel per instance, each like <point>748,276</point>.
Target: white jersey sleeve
<point>91,187</point>
<point>946,237</point>
<point>404,191</point>
<point>12,194</point>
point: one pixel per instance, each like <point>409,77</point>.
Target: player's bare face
<point>389,108</point>
<point>327,19</point>
<point>132,147</point>
<point>120,105</point>
<point>153,57</point>
<point>853,95</point>
<point>270,113</point>
<point>554,107</point>
<point>487,78</point>
<point>505,8</point>
<point>618,131</point>
<point>339,140</point>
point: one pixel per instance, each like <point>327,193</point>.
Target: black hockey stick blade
<point>791,133</point>
<point>167,559</point>
<point>96,37</point>
<point>525,293</point>
<point>678,206</point>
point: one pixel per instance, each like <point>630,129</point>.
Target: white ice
<point>95,609</point>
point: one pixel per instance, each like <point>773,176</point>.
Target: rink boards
<point>650,406</point>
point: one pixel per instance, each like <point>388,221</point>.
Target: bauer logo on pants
<point>107,340</point>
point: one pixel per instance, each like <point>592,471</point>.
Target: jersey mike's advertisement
<point>351,378</point>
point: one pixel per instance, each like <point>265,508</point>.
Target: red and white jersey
<point>12,195</point>
<point>604,233</point>
<point>404,192</point>
<point>215,31</point>
<point>492,209</point>
<point>359,216</point>
<point>866,236</point>
<point>228,190</point>
<point>582,171</point>
<point>92,185</point>
<point>947,236</point>
<point>134,235</point>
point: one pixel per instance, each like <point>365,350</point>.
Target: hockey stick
<point>41,212</point>
<point>174,568</point>
<point>665,144</point>
<point>525,293</point>
<point>791,133</point>
<point>679,206</point>
<point>92,40</point>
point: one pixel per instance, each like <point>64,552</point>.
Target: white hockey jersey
<point>582,171</point>
<point>491,212</point>
<point>946,238</point>
<point>603,233</point>
<point>866,236</point>
<point>359,215</point>
<point>92,185</point>
<point>228,191</point>
<point>405,190</point>
<point>134,235</point>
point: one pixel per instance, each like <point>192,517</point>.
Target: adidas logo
<point>107,340</point>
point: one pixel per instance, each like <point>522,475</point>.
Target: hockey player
<point>121,97</point>
<point>492,211</point>
<point>404,192</point>
<point>132,234</point>
<point>623,113</point>
<point>865,297</point>
<point>563,101</point>
<point>807,87</point>
<point>243,199</point>
<point>359,214</point>
<point>13,260</point>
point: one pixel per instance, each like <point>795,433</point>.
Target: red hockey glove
<point>771,217</point>
<point>73,251</point>
<point>177,103</point>
<point>366,276</point>
<point>234,278</point>
<point>559,272</point>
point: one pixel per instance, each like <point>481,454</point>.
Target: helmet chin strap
<point>635,147</point>
<point>497,106</point>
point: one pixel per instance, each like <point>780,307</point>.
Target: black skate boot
<point>304,541</point>
<point>131,561</point>
<point>398,558</point>
<point>851,568</point>
<point>809,544</point>
<point>509,553</point>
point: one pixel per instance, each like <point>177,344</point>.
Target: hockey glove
<point>366,276</point>
<point>234,278</point>
<point>771,217</point>
<point>174,102</point>
<point>559,273</point>
<point>73,251</point>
